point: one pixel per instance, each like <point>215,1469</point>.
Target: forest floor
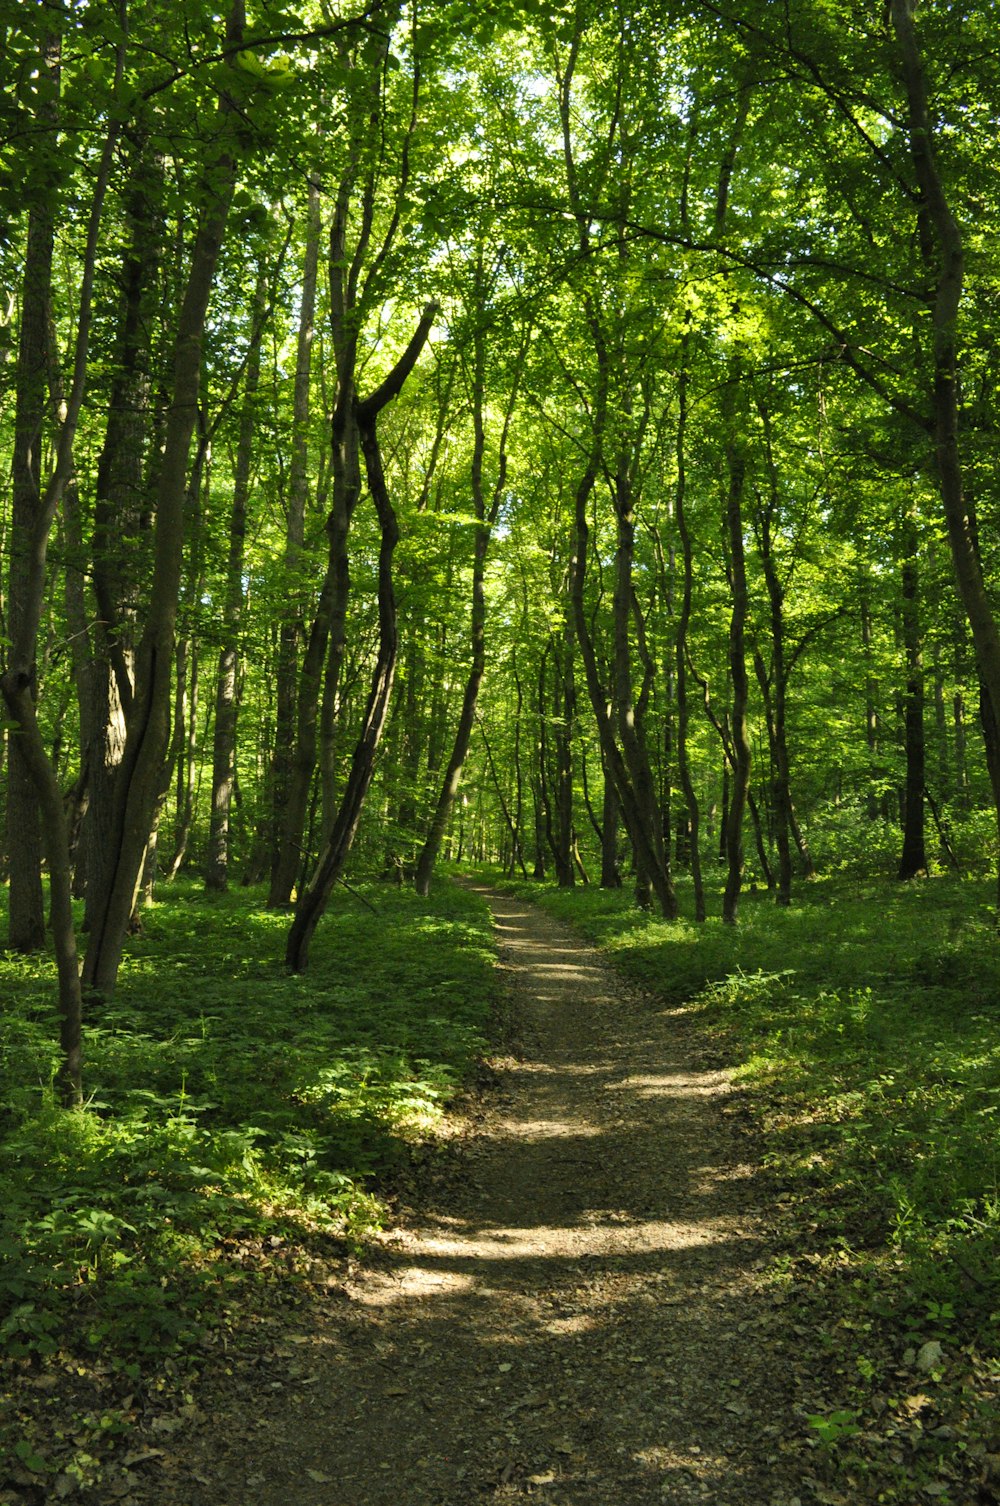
<point>576,1302</point>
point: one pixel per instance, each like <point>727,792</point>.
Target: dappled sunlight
<point>417,1282</point>
<point>670,1084</point>
<point>605,1236</point>
<point>556,1129</point>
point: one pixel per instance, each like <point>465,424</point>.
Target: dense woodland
<point>562,437</point>
<point>557,439</point>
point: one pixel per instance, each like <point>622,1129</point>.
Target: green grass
<point>229,1107</point>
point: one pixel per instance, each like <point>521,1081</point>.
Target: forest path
<point>572,1314</point>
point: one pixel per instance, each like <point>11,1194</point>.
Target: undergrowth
<point>233,1111</point>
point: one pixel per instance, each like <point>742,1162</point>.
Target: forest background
<point>561,437</point>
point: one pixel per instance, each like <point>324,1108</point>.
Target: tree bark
<point>26,916</point>
<point>290,634</point>
<point>913,858</point>
<point>742,754</point>
<point>486,516</point>
<point>328,869</point>
<point>226,711</point>
<point>681,646</point>
<point>18,680</point>
<point>148,735</point>
<point>949,285</point>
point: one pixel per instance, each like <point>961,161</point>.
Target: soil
<point>573,1306</point>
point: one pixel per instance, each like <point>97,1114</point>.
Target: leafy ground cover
<point>239,1123</point>
<point>863,1028</point>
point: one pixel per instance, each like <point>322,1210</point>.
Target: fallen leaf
<point>142,1457</point>
<point>930,1356</point>
<point>319,1477</point>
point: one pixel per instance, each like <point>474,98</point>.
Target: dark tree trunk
<point>742,755</point>
<point>693,823</point>
<point>227,674</point>
<point>949,271</point>
<point>290,633</point>
<point>913,858</point>
<point>563,716</point>
<point>26,917</point>
<point>486,516</point>
<point>148,736</point>
<point>28,571</point>
<point>328,869</point>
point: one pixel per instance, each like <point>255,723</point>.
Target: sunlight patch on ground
<point>693,1461</point>
<point>598,1237</point>
<point>570,1328</point>
<point>416,1281</point>
<point>669,1085</point>
<point>554,1129</point>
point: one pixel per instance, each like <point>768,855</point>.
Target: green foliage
<point>228,1102</point>
<point>833,1427</point>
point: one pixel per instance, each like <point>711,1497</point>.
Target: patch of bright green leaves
<point>228,1103</point>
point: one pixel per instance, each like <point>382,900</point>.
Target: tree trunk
<point>18,681</point>
<point>338,845</point>
<point>742,756</point>
<point>563,715</point>
<point>651,853</point>
<point>26,917</point>
<point>148,735</point>
<point>224,735</point>
<point>950,278</point>
<point>290,634</point>
<point>683,623</point>
<point>486,516</point>
<point>913,858</point>
<point>106,681</point>
<point>611,873</point>
<point>331,863</point>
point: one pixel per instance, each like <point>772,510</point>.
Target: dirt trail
<point>577,1317</point>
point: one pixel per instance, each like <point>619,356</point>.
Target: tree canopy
<point>561,436</point>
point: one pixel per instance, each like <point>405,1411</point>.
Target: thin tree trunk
<point>290,633</point>
<point>683,623</point>
<point>486,516</point>
<point>563,715</point>
<point>26,914</point>
<point>338,845</point>
<point>913,858</point>
<point>611,873</point>
<point>18,681</point>
<point>224,734</point>
<point>742,755</point>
